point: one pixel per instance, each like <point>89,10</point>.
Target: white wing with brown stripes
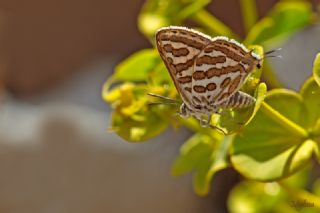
<point>179,47</point>
<point>219,71</point>
<point>207,72</point>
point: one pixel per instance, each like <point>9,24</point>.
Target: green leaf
<point>317,151</point>
<point>260,95</point>
<point>316,187</point>
<point>310,93</point>
<point>276,196</point>
<point>285,19</point>
<point>137,66</point>
<point>160,76</point>
<point>148,126</point>
<point>316,69</point>
<point>266,150</point>
<point>252,197</point>
<point>205,156</point>
<point>193,152</point>
<point>299,179</point>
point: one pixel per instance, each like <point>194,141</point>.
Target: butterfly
<point>207,72</point>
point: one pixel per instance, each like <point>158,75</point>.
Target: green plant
<point>281,132</point>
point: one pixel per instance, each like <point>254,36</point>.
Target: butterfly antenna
<point>162,103</point>
<point>273,56</point>
<point>162,97</point>
<point>267,54</point>
<point>272,51</point>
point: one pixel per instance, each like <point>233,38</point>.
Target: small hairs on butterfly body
<point>207,72</point>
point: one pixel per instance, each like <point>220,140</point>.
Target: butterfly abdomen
<point>239,100</point>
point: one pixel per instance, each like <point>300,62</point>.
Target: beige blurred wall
<point>60,159</point>
<point>46,40</point>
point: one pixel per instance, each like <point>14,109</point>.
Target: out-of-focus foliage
<point>285,196</point>
<point>161,13</point>
<point>283,20</point>
<point>204,155</point>
<point>270,141</point>
<point>284,134</point>
<point>134,119</point>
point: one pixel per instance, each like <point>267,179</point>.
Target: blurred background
<point>56,154</point>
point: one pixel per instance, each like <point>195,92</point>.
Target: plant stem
<point>213,24</point>
<point>285,122</point>
<point>301,195</point>
<point>249,13</point>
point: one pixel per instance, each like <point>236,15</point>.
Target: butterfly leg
<point>205,122</point>
<point>184,111</point>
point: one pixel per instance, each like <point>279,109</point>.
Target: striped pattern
<point>178,47</point>
<point>239,100</point>
<point>223,63</point>
<point>207,72</point>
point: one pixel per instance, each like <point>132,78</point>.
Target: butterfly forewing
<point>179,47</point>
<point>219,71</point>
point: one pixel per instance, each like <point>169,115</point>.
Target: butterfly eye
<point>258,66</point>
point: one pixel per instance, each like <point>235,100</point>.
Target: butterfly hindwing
<point>219,71</point>
<point>178,48</point>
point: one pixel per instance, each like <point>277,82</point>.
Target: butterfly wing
<point>178,48</point>
<point>219,71</point>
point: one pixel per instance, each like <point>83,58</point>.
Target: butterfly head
<point>258,63</point>
<point>258,60</point>
<point>255,59</point>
